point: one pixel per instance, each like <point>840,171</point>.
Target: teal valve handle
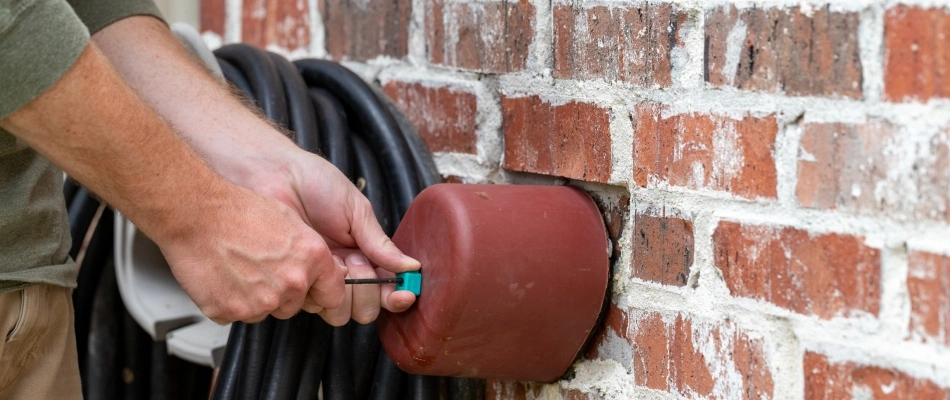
<point>411,281</point>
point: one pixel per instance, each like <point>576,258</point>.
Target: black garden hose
<point>81,211</point>
<point>98,253</point>
<point>256,349</point>
<point>236,78</point>
<point>357,132</point>
<point>286,361</point>
<point>333,126</point>
<point>314,358</point>
<point>262,75</point>
<point>227,385</point>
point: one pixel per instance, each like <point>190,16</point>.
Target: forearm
<point>95,128</point>
<point>200,109</point>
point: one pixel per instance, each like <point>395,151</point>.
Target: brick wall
<point>775,174</point>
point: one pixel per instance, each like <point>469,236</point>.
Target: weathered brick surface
<point>875,168</point>
<point>570,140</point>
<point>506,390</point>
<point>680,355</point>
<point>614,323</point>
<point>212,16</point>
<point>444,117</point>
<point>784,50</point>
<point>625,43</point>
<point>364,30</point>
<point>675,353</point>
<point>489,36</point>
<point>928,284</point>
<point>662,248</point>
<point>285,24</point>
<point>615,211</point>
<point>704,151</point>
<point>917,54</point>
<point>821,274</point>
<point>827,380</point>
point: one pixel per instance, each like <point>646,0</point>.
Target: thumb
<point>378,247</point>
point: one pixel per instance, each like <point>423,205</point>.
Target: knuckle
<point>318,250</point>
<point>295,281</point>
<point>268,302</point>
<point>363,207</point>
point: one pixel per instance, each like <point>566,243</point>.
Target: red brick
<point>213,15</point>
<point>570,140</point>
<point>785,51</point>
<point>364,30</point>
<point>490,36</point>
<point>285,24</point>
<point>615,212</point>
<point>662,248</point>
<point>928,283</point>
<point>705,151</point>
<point>826,275</point>
<point>917,54</point>
<point>629,44</point>
<point>689,357</point>
<point>871,167</point>
<point>444,117</point>
<point>614,323</point>
<point>827,380</point>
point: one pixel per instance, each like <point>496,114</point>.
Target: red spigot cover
<point>513,280</point>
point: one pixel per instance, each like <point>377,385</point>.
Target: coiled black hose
<point>357,132</point>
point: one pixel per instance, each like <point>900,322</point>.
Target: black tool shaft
<point>371,281</point>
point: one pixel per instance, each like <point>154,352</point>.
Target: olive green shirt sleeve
<point>39,41</point>
<point>98,14</point>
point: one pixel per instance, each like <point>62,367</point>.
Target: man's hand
<point>327,202</point>
<point>251,256</point>
<point>247,151</point>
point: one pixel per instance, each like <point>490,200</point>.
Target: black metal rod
<point>371,281</point>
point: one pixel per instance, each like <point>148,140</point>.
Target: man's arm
<point>239,255</point>
<point>248,151</point>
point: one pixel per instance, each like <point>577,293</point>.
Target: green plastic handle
<point>411,281</point>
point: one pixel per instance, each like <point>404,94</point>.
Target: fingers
<point>339,316</point>
<point>365,305</point>
<point>375,244</point>
<point>363,302</point>
<point>327,290</point>
<point>391,299</point>
<point>396,300</point>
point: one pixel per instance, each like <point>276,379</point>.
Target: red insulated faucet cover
<point>513,280</point>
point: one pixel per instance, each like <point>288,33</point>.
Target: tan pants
<point>38,356</point>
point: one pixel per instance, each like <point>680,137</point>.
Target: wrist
<point>184,209</point>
